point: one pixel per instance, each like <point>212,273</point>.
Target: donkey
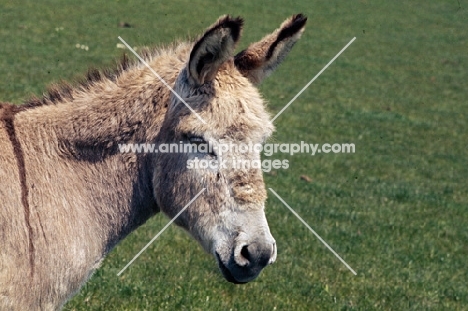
<point>68,196</point>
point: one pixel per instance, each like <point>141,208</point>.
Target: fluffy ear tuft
<point>213,49</point>
<point>260,59</point>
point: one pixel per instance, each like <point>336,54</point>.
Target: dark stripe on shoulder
<point>8,116</point>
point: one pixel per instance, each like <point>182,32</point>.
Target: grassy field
<point>396,210</point>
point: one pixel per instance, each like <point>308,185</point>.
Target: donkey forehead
<point>231,107</point>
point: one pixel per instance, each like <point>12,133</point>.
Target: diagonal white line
<point>160,232</point>
<point>161,79</point>
<point>313,79</point>
<point>315,233</point>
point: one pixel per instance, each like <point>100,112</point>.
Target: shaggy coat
<point>68,196</point>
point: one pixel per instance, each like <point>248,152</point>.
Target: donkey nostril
<point>245,252</point>
<point>255,255</point>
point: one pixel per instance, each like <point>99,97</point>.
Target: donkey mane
<point>63,90</point>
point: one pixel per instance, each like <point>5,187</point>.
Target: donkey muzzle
<point>247,261</point>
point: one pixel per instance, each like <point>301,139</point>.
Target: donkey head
<point>228,218</point>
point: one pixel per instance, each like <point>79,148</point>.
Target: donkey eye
<point>196,140</point>
<point>202,146</point>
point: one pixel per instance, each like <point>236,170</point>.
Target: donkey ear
<point>260,59</point>
<point>214,48</point>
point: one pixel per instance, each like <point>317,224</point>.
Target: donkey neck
<point>97,119</point>
<point>71,148</point>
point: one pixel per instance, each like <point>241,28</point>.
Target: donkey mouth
<point>226,272</point>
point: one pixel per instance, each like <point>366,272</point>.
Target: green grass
<point>396,210</point>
